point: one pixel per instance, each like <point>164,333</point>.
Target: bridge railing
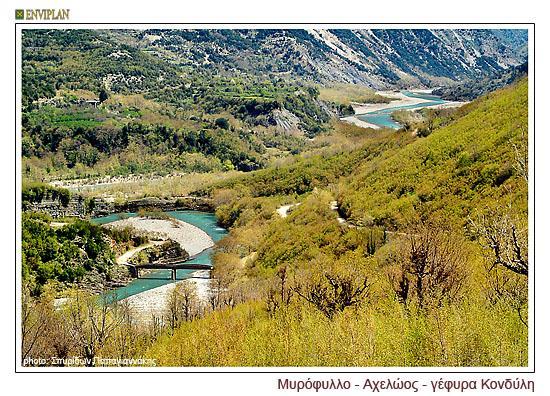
<point>134,268</point>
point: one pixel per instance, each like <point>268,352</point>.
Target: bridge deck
<point>168,266</point>
<point>176,266</point>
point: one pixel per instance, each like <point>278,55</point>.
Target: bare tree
<point>511,289</point>
<point>503,235</point>
<point>279,294</point>
<point>155,327</point>
<point>521,151</point>
<point>220,295</point>
<point>331,294</point>
<point>92,322</point>
<point>182,304</point>
<point>400,284</point>
<point>59,337</point>
<point>431,265</point>
<point>34,321</point>
<point>124,338</point>
<point>172,309</point>
<point>188,300</point>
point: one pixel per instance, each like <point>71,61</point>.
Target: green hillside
<point>342,244</point>
<point>470,163</point>
<point>409,280</point>
<point>94,105</point>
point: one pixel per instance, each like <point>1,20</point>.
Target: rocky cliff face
<point>56,209</point>
<point>166,204</point>
<point>380,58</point>
<point>77,207</point>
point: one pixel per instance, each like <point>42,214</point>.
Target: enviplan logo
<point>46,14</point>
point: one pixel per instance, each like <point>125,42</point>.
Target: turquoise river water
<point>203,220</point>
<point>383,118</point>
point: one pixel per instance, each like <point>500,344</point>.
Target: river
<point>203,220</point>
<point>383,119</point>
<point>207,221</point>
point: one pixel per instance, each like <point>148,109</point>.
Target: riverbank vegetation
<point>63,255</point>
<point>70,252</point>
<point>345,94</point>
<point>37,192</point>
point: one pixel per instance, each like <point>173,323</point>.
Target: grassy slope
<point>467,164</point>
<point>459,168</point>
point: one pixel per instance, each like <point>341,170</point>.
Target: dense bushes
<point>305,174</point>
<point>87,145</point>
<point>429,284</point>
<point>309,289</point>
<point>80,59</point>
<point>400,280</point>
<point>65,254</point>
<point>468,334</point>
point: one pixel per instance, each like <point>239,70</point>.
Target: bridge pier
<point>174,274</point>
<point>134,271</point>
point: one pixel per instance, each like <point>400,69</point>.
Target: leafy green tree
<point>222,123</point>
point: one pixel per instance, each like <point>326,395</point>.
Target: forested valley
<point>343,244</point>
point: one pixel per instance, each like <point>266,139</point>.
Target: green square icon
<point>19,14</point>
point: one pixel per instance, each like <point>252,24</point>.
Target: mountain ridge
<point>379,58</point>
<point>145,60</point>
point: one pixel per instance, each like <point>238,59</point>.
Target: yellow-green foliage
<point>316,170</point>
<point>466,164</point>
<point>261,320</point>
<point>465,335</point>
<point>460,168</point>
<point>309,234</point>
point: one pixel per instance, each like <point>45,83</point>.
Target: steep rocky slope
<point>380,58</point>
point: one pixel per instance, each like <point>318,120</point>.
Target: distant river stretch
<point>155,278</point>
<point>383,119</point>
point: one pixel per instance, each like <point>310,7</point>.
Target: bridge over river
<point>158,275</point>
<point>134,268</point>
